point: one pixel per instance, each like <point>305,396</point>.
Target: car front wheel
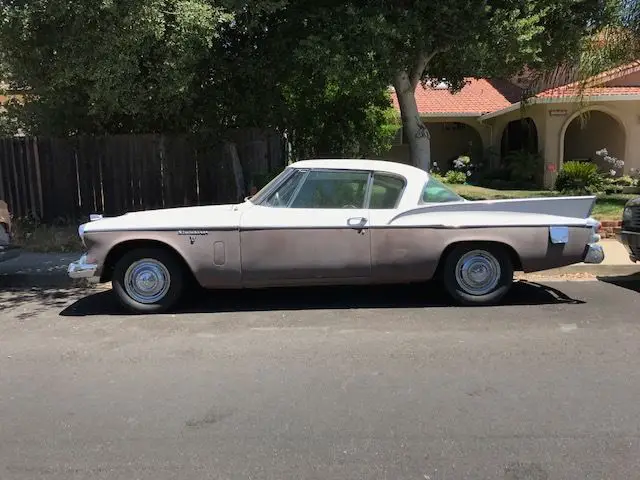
<point>478,274</point>
<point>148,280</point>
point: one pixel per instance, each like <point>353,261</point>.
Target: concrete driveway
<point>376,383</point>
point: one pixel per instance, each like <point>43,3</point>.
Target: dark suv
<point>630,234</point>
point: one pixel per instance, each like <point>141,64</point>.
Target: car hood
<point>182,218</point>
<point>634,202</point>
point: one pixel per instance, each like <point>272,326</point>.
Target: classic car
<point>338,222</point>
<point>8,250</point>
<point>630,233</point>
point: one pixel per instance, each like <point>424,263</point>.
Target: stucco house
<point>488,114</point>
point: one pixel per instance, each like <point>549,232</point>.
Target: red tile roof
<point>481,96</point>
<point>567,91</point>
<point>595,85</point>
<point>477,96</point>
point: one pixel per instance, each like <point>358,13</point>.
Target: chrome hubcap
<point>478,272</point>
<point>147,281</point>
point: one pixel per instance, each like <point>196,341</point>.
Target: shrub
<point>524,167</point>
<point>438,177</point>
<point>625,181</point>
<point>580,178</point>
<point>453,176</point>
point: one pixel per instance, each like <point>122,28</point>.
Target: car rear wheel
<point>148,280</point>
<point>478,274</point>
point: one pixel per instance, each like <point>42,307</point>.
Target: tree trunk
<point>415,130</point>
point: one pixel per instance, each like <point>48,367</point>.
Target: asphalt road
<point>382,383</point>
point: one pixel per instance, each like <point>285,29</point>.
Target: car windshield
<point>436,192</point>
<point>264,191</point>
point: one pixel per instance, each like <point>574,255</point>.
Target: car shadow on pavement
<point>630,282</point>
<point>26,302</point>
<point>319,298</point>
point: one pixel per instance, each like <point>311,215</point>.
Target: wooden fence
<point>58,179</point>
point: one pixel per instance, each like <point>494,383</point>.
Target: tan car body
<point>262,258</point>
<point>269,240</point>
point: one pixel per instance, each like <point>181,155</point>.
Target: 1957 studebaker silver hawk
<point>338,222</point>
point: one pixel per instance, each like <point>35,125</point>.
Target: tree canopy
<point>318,70</point>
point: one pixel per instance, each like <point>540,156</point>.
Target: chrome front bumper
<point>81,269</point>
<point>595,253</point>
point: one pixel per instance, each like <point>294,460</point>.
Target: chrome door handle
<point>356,221</point>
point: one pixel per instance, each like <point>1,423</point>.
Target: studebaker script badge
<point>193,232</point>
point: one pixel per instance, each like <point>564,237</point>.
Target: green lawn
<point>608,207</point>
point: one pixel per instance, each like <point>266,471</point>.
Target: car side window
<point>436,192</point>
<point>283,195</point>
<point>332,189</point>
<point>386,191</point>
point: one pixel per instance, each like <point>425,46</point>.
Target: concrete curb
<point>596,270</point>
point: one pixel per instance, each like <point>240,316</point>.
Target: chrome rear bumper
<point>81,269</point>
<point>595,253</point>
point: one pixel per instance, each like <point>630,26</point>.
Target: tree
<point>416,41</point>
<point>317,69</point>
<point>99,66</point>
<point>95,66</point>
<point>269,81</point>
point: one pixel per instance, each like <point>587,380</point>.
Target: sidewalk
<point>37,269</point>
<point>616,263</point>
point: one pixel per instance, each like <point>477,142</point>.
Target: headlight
<point>626,214</point>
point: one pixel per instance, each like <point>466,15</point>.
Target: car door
<point>397,253</point>
<point>312,229</point>
<point>409,252</point>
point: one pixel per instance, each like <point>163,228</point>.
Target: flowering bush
<point>587,178</point>
<point>615,163</point>
<point>463,164</point>
<point>435,169</point>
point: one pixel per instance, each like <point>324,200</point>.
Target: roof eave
<point>497,113</point>
<point>449,114</point>
<point>567,99</point>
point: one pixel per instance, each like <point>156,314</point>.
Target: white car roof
<point>408,171</point>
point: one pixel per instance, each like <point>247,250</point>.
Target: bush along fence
<point>64,179</point>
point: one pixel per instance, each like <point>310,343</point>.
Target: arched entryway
<point>519,135</point>
<point>449,140</point>
<point>520,162</point>
<point>596,130</point>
